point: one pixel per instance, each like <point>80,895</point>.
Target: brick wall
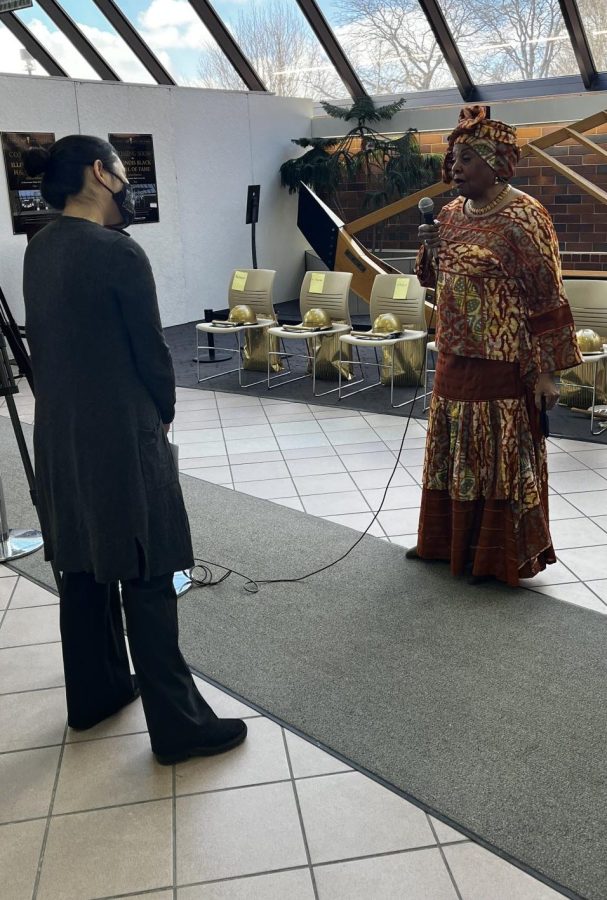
<point>580,221</point>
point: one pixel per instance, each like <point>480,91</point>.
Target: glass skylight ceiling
<point>56,43</point>
<point>390,44</point>
<point>594,17</point>
<point>14,57</point>
<point>280,44</point>
<point>511,40</point>
<point>387,46</point>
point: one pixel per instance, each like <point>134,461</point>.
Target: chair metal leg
<point>602,425</point>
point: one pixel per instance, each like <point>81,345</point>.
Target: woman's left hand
<point>546,387</point>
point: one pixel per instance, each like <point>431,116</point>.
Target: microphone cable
<point>251,585</point>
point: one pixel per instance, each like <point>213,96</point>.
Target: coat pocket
<point>157,463</point>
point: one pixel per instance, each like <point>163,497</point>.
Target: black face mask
<point>124,201</point>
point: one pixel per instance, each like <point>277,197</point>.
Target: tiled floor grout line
<point>8,602</point>
<point>444,858</point>
<point>395,453</point>
<point>49,817</point>
<point>300,815</point>
<point>49,687</point>
<point>238,787</point>
<point>174,827</point>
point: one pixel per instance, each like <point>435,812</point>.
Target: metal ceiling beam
<point>448,48</point>
<point>134,41</point>
<point>332,48</point>
<point>32,45</point>
<point>581,47</point>
<point>227,44</point>
<point>71,31</point>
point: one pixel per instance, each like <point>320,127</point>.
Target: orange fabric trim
<point>551,320</point>
<point>473,378</point>
<point>480,535</point>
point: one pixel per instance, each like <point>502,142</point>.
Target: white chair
<point>328,291</point>
<point>588,301</point>
<point>250,287</point>
<point>410,310</point>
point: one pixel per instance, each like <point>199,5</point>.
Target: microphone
<point>426,209</point>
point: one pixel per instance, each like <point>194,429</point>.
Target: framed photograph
<point>29,211</point>
<point>137,153</point>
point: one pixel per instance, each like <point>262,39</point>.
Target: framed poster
<point>29,211</point>
<point>137,153</point>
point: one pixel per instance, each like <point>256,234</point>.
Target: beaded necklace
<point>483,210</point>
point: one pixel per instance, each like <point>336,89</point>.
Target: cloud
<point>10,54</point>
<point>172,25</point>
<point>62,50</point>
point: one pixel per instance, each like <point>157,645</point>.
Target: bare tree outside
<point>518,40</point>
<point>282,49</point>
<point>594,17</point>
<point>391,45</point>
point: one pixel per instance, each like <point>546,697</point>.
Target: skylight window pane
<point>14,58</point>
<point>56,43</point>
<point>389,43</point>
<point>511,40</point>
<point>276,38</point>
<point>594,16</point>
<point>176,35</point>
<point>93,24</point>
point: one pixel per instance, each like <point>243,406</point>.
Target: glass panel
<point>594,16</point>
<point>173,31</point>
<point>275,36</point>
<point>14,58</point>
<point>511,40</point>
<point>390,44</point>
<point>55,42</point>
<point>93,24</point>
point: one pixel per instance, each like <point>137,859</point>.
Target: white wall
<point>209,145</point>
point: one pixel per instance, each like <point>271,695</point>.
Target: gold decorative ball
<point>242,314</point>
<point>387,322</point>
<point>589,340</point>
<point>317,318</point>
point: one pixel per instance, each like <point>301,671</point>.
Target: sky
<point>170,27</point>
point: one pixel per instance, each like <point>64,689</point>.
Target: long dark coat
<point>109,499</point>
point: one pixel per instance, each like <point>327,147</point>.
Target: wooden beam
<point>394,209</point>
<point>576,179</point>
<point>586,142</point>
<point>561,134</point>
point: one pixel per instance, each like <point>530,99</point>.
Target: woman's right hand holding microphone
<point>430,235</point>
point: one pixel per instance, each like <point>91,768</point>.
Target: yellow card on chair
<point>239,282</point>
<point>401,287</point>
<point>317,282</point>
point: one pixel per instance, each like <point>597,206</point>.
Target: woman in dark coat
<point>109,499</point>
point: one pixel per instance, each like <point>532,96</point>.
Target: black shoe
<point>412,553</point>
<point>220,736</point>
<point>86,724</point>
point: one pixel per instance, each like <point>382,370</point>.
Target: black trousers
<point>96,665</point>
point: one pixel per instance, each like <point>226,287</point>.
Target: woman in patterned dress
<point>503,329</point>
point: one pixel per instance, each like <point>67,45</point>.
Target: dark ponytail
<point>62,165</point>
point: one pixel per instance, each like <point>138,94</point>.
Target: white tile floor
<point>91,815</point>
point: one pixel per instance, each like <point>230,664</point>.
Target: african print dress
<point>502,319</point>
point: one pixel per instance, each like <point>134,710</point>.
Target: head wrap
<point>495,142</point>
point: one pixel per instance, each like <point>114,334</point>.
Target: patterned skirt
<point>485,485</point>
